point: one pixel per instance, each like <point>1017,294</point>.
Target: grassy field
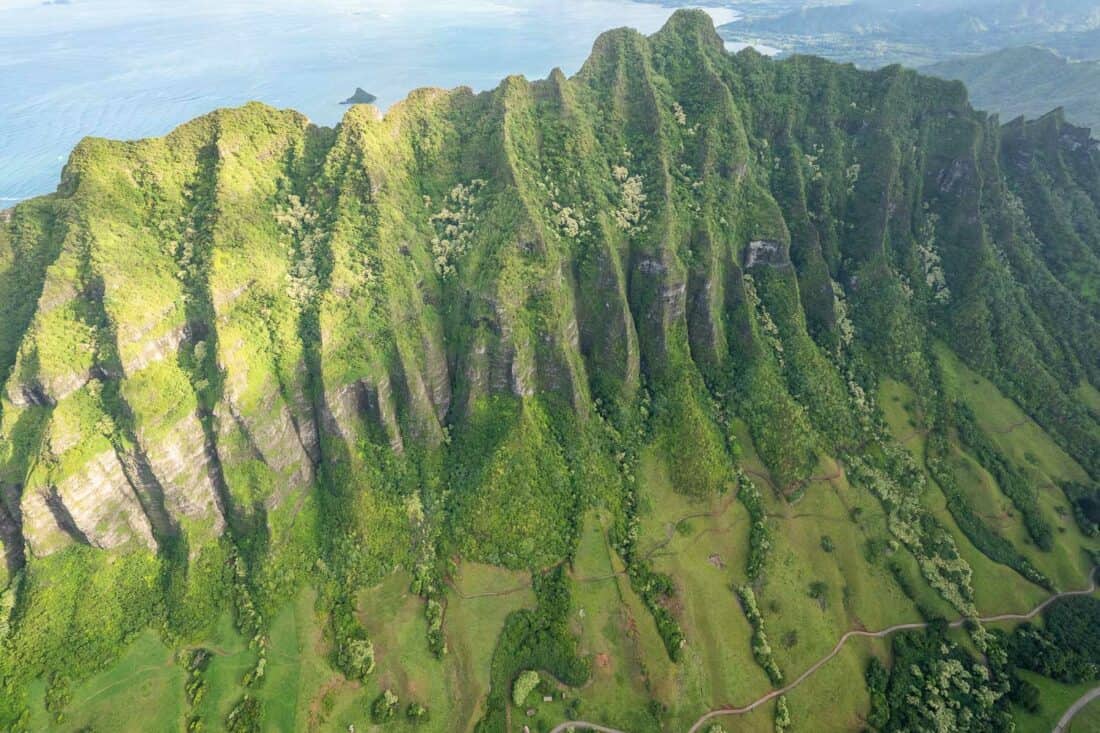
<point>1041,460</point>
<point>232,660</point>
<point>301,691</point>
<point>997,588</point>
<point>1054,699</point>
<point>1090,396</point>
<point>817,540</point>
<point>394,618</point>
<point>1088,720</point>
<point>479,599</point>
<point>145,678</point>
<point>702,545</point>
<point>816,704</point>
<point>608,634</point>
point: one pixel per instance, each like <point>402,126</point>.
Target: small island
<point>361,96</point>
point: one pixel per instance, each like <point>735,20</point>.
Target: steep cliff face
<point>257,326</point>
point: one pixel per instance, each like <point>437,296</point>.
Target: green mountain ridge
<point>545,332</point>
<point>1028,81</point>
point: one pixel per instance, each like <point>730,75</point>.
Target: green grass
<point>818,704</point>
<point>859,594</point>
<point>702,545</point>
<point>1088,720</point>
<point>617,693</point>
<point>1090,396</point>
<point>142,691</point>
<point>297,666</point>
<point>997,588</point>
<point>38,717</point>
<point>480,599</point>
<point>394,618</point>
<point>1006,424</point>
<point>1035,453</point>
<point>897,401</point>
<point>1054,699</point>
<point>148,678</point>
<point>232,660</point>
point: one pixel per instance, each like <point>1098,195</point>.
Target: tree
<point>1024,694</point>
<point>356,658</point>
<point>527,681</point>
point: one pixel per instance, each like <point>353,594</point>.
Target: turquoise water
<point>128,69</point>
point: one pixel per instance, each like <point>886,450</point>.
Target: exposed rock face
<point>97,505</point>
<point>179,461</point>
<point>766,252</point>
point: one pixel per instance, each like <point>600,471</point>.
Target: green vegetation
<point>485,414</point>
<point>759,534</point>
<point>761,649</point>
<point>935,684</point>
<point>1015,486</point>
<point>527,681</point>
<point>532,640</point>
<point>384,707</point>
<point>1065,648</point>
<point>1027,81</point>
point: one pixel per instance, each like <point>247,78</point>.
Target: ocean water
<point>136,68</point>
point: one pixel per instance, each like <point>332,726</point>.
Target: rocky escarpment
<point>203,331</point>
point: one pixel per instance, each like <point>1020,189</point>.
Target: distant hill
<point>874,33</point>
<point>1028,81</point>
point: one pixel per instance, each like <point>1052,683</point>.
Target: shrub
<point>782,714</point>
<point>384,706</point>
<point>416,713</point>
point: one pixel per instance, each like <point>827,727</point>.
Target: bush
<point>761,649</point>
<point>245,716</point>
<point>416,713</point>
<point>353,654</point>
<point>1024,694</point>
<point>384,706</point>
<point>782,714</point>
<point>878,677</point>
<point>760,542</point>
<point>935,685</point>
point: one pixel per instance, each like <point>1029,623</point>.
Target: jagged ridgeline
<point>258,355</point>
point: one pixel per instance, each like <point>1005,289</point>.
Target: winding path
<point>707,717</point>
<point>1064,721</point>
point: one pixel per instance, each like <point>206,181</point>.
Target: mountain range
<point>1028,81</point>
<point>652,382</point>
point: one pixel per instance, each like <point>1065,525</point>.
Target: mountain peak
<point>692,24</point>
